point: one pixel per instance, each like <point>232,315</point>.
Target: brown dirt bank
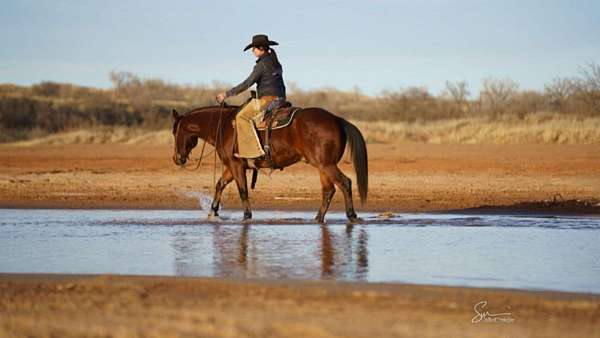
<point>126,306</point>
<point>402,177</point>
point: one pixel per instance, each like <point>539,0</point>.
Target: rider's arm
<point>252,78</point>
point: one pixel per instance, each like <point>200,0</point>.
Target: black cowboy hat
<point>260,40</point>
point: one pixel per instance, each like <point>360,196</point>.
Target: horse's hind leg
<point>328,191</point>
<point>223,182</point>
<point>345,185</point>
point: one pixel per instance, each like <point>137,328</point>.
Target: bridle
<point>217,140</point>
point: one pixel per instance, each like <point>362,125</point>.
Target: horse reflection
<point>276,252</point>
<point>192,249</point>
<point>344,258</point>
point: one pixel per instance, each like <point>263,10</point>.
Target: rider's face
<point>257,51</point>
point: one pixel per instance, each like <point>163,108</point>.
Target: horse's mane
<point>200,109</point>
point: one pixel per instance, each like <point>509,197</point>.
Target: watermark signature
<point>483,315</point>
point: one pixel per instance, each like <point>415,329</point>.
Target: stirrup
<point>267,158</point>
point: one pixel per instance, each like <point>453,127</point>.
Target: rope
<point>217,139</point>
<point>198,159</point>
<point>215,150</point>
<point>201,154</point>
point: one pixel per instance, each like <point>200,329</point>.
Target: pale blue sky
<point>375,45</point>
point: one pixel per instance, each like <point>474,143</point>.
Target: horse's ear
<point>175,114</point>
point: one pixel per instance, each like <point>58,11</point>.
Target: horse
<point>315,136</point>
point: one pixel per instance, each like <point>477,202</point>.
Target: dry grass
<point>539,128</point>
<point>566,111</point>
<point>102,135</point>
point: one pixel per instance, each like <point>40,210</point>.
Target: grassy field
<point>137,110</point>
<point>545,128</point>
<point>535,128</point>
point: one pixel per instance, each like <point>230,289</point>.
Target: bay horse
<point>315,135</point>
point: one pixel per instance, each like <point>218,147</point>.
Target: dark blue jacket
<point>268,77</point>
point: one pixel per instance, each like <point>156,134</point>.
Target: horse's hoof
<point>247,220</point>
<point>213,217</point>
<point>320,220</point>
<point>355,220</point>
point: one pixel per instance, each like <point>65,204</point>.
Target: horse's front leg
<point>225,179</point>
<point>239,175</point>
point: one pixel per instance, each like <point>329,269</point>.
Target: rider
<point>267,74</point>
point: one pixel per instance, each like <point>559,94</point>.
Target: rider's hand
<point>221,97</point>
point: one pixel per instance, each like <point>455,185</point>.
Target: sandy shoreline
<point>403,177</point>
<point>121,306</point>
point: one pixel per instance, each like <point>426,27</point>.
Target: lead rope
<point>201,155</point>
<point>199,159</point>
<point>217,139</point>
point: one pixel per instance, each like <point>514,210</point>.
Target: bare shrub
<point>497,94</point>
<point>133,101</point>
<point>587,88</point>
<point>525,102</point>
<point>458,92</point>
<point>46,88</point>
<point>558,92</point>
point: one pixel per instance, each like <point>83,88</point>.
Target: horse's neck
<point>209,121</point>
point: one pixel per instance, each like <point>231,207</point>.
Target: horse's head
<point>185,139</point>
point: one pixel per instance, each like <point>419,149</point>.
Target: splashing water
<point>204,202</point>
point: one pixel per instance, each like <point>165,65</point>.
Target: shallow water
<point>555,253</point>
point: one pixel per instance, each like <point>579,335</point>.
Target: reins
<point>217,139</point>
<point>199,159</point>
<point>216,146</point>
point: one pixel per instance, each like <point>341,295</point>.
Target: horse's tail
<point>358,151</point>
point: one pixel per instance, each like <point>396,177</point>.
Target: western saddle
<point>279,117</point>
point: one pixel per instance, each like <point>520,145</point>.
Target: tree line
<point>132,101</point>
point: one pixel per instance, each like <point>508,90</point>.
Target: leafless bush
<point>46,88</point>
<point>526,102</point>
<point>587,88</point>
<point>559,91</point>
<point>497,94</point>
<point>459,91</point>
<point>27,111</point>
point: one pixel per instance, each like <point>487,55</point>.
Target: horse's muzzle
<point>179,160</point>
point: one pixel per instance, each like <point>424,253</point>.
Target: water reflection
<point>189,245</point>
<point>342,257</point>
<point>558,253</point>
<point>310,252</point>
